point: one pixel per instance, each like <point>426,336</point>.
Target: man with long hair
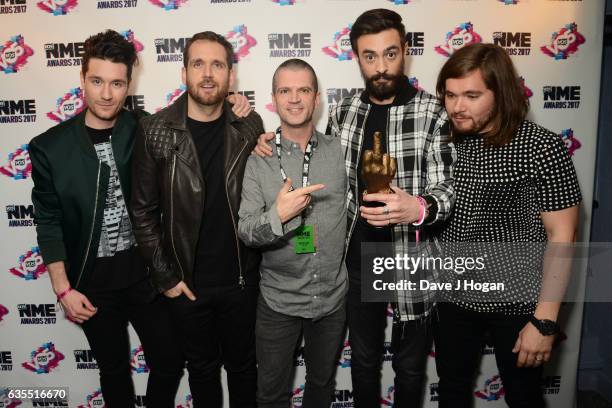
<point>515,183</point>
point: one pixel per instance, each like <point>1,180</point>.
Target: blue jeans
<point>277,337</point>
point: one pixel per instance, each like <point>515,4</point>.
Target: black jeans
<point>218,328</point>
<point>107,334</point>
<point>410,344</point>
<point>278,336</point>
<point>460,337</point>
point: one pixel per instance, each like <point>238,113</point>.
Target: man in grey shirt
<point>300,229</point>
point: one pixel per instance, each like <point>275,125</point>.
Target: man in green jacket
<point>81,173</point>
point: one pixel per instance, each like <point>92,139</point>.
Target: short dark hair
<point>499,75</point>
<point>295,64</point>
<point>112,46</point>
<point>213,37</point>
<point>373,22</point>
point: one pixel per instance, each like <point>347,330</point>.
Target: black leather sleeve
<point>147,215</point>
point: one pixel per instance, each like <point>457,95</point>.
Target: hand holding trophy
<point>377,169</point>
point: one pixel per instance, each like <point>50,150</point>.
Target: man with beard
<point>81,173</point>
<point>413,127</point>
<point>515,183</point>
<point>303,276</point>
<point>189,162</point>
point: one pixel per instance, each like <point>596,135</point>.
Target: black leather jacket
<point>168,192</point>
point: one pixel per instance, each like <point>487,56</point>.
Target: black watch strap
<point>545,327</point>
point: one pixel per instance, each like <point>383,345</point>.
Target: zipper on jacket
<point>178,262</point>
<point>93,224</point>
<point>241,281</point>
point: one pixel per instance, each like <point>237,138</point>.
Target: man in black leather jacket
<point>188,166</point>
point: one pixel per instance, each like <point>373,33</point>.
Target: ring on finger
<point>386,210</point>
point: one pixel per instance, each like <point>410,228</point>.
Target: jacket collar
<point>124,126</point>
<point>177,114</point>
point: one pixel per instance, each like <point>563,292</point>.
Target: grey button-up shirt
<point>305,285</point>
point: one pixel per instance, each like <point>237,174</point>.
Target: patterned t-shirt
<point>500,193</point>
<point>116,234</point>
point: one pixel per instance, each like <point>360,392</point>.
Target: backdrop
<point>556,45</point>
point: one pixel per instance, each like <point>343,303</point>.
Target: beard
<point>477,126</point>
<point>208,99</point>
<point>386,90</point>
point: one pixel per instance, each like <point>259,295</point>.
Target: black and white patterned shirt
<point>116,234</point>
<point>417,136</point>
<point>500,193</point>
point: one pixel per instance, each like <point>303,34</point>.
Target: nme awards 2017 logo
<point>19,166</point>
<point>284,2</point>
<point>68,106</point>
<point>341,48</point>
<point>399,2</point>
<point>94,400</point>
<point>31,265</point>
<point>137,361</point>
<point>129,35</point>
<point>14,54</point>
<point>508,2</point>
<point>57,7</point>
<point>571,142</point>
<point>493,389</point>
<point>345,355</point>
<point>12,7</point>
<point>168,4</point>
<point>44,359</point>
<point>297,395</point>
<point>564,42</point>
<point>241,41</point>
<point>461,36</point>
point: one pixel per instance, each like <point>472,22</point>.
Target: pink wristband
<point>423,207</point>
<point>64,293</point>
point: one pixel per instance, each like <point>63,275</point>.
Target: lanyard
<point>307,155</point>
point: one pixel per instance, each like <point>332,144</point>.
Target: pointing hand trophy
<point>377,169</point>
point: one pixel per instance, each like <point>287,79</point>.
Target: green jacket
<point>69,193</point>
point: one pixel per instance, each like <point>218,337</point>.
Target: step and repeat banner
<point>555,44</point>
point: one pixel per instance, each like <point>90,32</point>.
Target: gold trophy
<point>377,169</point>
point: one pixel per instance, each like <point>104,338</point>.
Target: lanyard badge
<point>304,239</point>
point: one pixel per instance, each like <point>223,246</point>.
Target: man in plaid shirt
<point>414,130</point>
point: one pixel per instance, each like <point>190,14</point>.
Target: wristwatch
<point>545,327</point>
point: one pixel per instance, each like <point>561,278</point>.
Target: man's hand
<point>77,307</point>
<point>291,203</point>
<point>178,290</point>
<point>241,107</point>
<point>263,149</point>
<point>400,208</point>
<point>532,347</point>
<point>378,169</point>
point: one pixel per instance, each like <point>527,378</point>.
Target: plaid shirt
<point>418,138</point>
